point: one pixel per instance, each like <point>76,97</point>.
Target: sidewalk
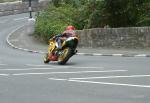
<point>29,43</point>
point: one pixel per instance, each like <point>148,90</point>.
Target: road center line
<point>76,72</point>
<point>130,76</point>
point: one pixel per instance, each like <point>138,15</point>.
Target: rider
<point>69,32</point>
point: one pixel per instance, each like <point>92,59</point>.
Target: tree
<point>56,3</point>
<point>144,18</point>
<point>115,13</point>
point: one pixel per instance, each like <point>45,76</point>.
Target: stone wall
<point>132,37</point>
<point>10,8</point>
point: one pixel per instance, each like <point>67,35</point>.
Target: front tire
<point>64,57</point>
<point>46,60</point>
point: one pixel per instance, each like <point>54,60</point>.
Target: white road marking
<point>87,67</point>
<point>34,65</point>
<point>76,72</point>
<point>80,53</point>
<point>17,19</point>
<point>117,54</point>
<point>57,79</point>
<point>4,74</point>
<point>107,83</point>
<point>96,54</point>
<point>3,64</point>
<point>140,55</point>
<point>130,76</point>
<point>26,69</point>
<point>102,83</point>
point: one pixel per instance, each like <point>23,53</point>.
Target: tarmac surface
<point>24,78</point>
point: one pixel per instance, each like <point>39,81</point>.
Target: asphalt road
<point>24,78</point>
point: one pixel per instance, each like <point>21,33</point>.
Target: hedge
<point>53,20</point>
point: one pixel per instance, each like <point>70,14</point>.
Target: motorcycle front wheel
<point>46,60</point>
<point>66,53</point>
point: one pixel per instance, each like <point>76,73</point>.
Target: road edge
<point>86,54</point>
<point>15,47</point>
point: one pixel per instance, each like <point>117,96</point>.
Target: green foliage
<point>92,14</point>
<point>74,3</point>
<point>122,12</point>
<point>56,2</point>
<point>144,17</point>
<point>53,21</point>
<point>115,13</point>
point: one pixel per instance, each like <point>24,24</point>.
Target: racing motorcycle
<point>61,56</point>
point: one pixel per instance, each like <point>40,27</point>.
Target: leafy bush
<point>54,20</point>
<point>91,14</point>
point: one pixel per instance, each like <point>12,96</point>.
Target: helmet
<point>70,27</point>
